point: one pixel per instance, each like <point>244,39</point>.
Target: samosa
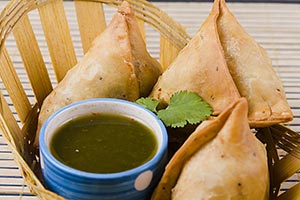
<point>222,159</point>
<point>200,67</point>
<point>116,66</point>
<point>252,72</point>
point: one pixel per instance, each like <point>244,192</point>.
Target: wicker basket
<point>19,129</point>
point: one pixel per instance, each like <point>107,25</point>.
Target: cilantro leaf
<point>148,103</point>
<point>185,107</point>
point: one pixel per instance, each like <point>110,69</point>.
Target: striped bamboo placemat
<point>275,26</point>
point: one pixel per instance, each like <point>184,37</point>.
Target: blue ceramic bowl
<point>134,184</point>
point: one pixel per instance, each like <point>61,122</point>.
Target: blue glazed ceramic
<point>134,184</point>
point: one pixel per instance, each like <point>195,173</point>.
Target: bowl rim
<point>45,152</point>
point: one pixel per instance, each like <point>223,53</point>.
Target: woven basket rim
<point>144,10</point>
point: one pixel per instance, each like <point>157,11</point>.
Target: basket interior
<point>48,62</point>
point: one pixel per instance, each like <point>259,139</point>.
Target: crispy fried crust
<point>222,159</point>
<point>200,67</point>
<point>252,72</point>
<point>116,66</point>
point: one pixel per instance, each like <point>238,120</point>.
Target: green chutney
<point>103,143</point>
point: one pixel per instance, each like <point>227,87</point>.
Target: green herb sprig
<point>185,107</point>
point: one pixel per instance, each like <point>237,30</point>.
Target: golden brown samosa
<point>252,72</point>
<point>222,159</point>
<point>200,67</point>
<point>117,66</point>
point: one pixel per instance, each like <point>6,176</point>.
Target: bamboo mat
<point>275,26</point>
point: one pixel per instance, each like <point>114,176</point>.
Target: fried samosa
<point>116,66</point>
<point>252,72</point>
<point>200,67</point>
<point>222,159</point>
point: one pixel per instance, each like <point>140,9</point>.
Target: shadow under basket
<point>20,107</point>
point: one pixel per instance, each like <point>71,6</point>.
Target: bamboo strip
<point>292,194</point>
<point>285,168</point>
<point>9,17</point>
<point>28,132</point>
<point>141,24</point>
<point>32,59</point>
<point>271,147</point>
<point>168,52</point>
<point>13,85</point>
<point>16,190</point>
<point>9,126</point>
<point>9,172</point>
<point>58,38</point>
<point>272,158</point>
<point>91,21</point>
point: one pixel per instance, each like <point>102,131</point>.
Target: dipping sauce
<point>103,143</point>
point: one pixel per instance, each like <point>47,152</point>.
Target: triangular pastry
<point>200,67</point>
<point>222,159</point>
<point>116,66</point>
<point>252,72</point>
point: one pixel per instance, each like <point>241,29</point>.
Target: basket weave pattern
<point>20,131</point>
